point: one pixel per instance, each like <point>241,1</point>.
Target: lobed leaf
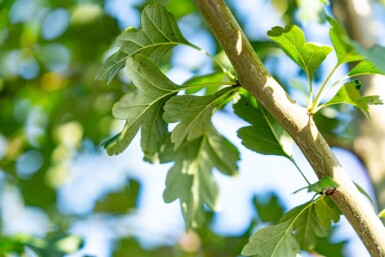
<point>274,241</point>
<point>190,179</point>
<point>308,56</point>
<point>158,35</point>
<point>312,220</point>
<point>349,94</point>
<point>265,136</point>
<point>193,114</point>
<point>343,46</point>
<point>143,108</point>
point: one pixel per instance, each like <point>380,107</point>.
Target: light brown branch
<point>294,118</point>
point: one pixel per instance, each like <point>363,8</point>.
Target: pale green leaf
<point>363,68</point>
<point>323,184</point>
<point>143,108</point>
<point>193,114</point>
<point>265,136</point>
<point>311,221</point>
<point>158,35</point>
<point>273,241</point>
<point>190,179</point>
<point>343,46</point>
<point>203,81</point>
<point>349,93</point>
<point>291,39</point>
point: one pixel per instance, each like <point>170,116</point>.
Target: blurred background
<point>60,191</point>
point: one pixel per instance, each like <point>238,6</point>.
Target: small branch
<point>253,77</point>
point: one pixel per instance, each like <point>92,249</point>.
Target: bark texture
<point>294,118</point>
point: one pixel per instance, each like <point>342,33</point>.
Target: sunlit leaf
<point>190,179</point>
<point>158,35</point>
<point>265,136</point>
<point>349,93</point>
<point>365,67</point>
<point>382,214</point>
<point>291,39</point>
<point>143,108</point>
<point>343,46</point>
<point>323,184</point>
<point>273,241</point>
<point>193,114</point>
<point>203,80</point>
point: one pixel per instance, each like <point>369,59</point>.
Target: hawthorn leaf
<point>111,66</point>
<point>343,46</point>
<point>143,108</point>
<point>190,179</point>
<point>365,67</point>
<point>273,241</point>
<point>203,80</point>
<point>158,35</point>
<point>265,135</point>
<point>349,93</point>
<point>291,39</point>
<point>193,114</point>
<point>323,184</point>
<point>310,221</point>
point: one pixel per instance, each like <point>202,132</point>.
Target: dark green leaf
<point>323,184</point>
<point>121,201</point>
<point>365,67</point>
<point>349,94</point>
<point>273,241</point>
<point>327,211</point>
<point>343,46</point>
<point>265,136</point>
<point>190,179</point>
<point>292,41</point>
<point>159,34</point>
<point>193,114</point>
<point>143,108</point>
<point>270,209</point>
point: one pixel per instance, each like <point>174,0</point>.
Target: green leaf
<point>365,67</point>
<point>202,80</point>
<point>343,46</point>
<point>119,202</point>
<point>362,191</point>
<point>193,114</point>
<point>111,66</point>
<point>270,209</point>
<point>291,39</point>
<point>349,94</point>
<point>273,241</point>
<point>159,34</point>
<point>382,214</point>
<point>143,108</point>
<point>312,220</point>
<point>190,179</point>
<point>323,184</point>
<point>265,136</point>
<point>375,54</point>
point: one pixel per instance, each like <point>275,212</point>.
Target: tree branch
<point>254,77</point>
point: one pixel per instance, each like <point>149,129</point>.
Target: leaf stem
<point>319,94</point>
<point>299,169</point>
<point>224,69</point>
